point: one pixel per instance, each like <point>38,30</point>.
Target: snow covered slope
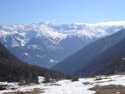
<point>46,44</point>
<point>83,86</point>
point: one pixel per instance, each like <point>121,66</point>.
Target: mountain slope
<point>46,44</point>
<point>12,69</point>
<point>110,61</point>
<point>83,57</point>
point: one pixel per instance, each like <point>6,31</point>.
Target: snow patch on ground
<point>52,61</point>
<point>26,54</point>
<point>69,87</point>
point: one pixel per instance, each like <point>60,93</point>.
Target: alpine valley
<point>46,44</point>
<point>101,51</point>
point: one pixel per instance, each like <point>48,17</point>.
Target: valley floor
<point>96,85</point>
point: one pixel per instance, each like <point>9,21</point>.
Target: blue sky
<point>61,11</point>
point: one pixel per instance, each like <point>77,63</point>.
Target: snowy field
<point>68,87</point>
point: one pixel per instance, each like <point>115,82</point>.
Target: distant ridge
<point>104,23</point>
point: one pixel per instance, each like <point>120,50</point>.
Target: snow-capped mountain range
<point>46,44</point>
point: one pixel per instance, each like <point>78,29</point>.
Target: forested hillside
<point>12,69</point>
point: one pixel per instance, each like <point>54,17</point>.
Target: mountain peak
<point>45,22</point>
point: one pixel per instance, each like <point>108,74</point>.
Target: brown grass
<point>54,84</point>
<point>123,73</point>
<point>34,91</point>
<point>87,83</point>
<point>109,89</point>
<point>103,81</point>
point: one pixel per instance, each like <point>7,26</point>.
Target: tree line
<point>12,69</point>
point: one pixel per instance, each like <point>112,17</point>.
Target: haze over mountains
<point>45,44</point>
<point>96,54</point>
